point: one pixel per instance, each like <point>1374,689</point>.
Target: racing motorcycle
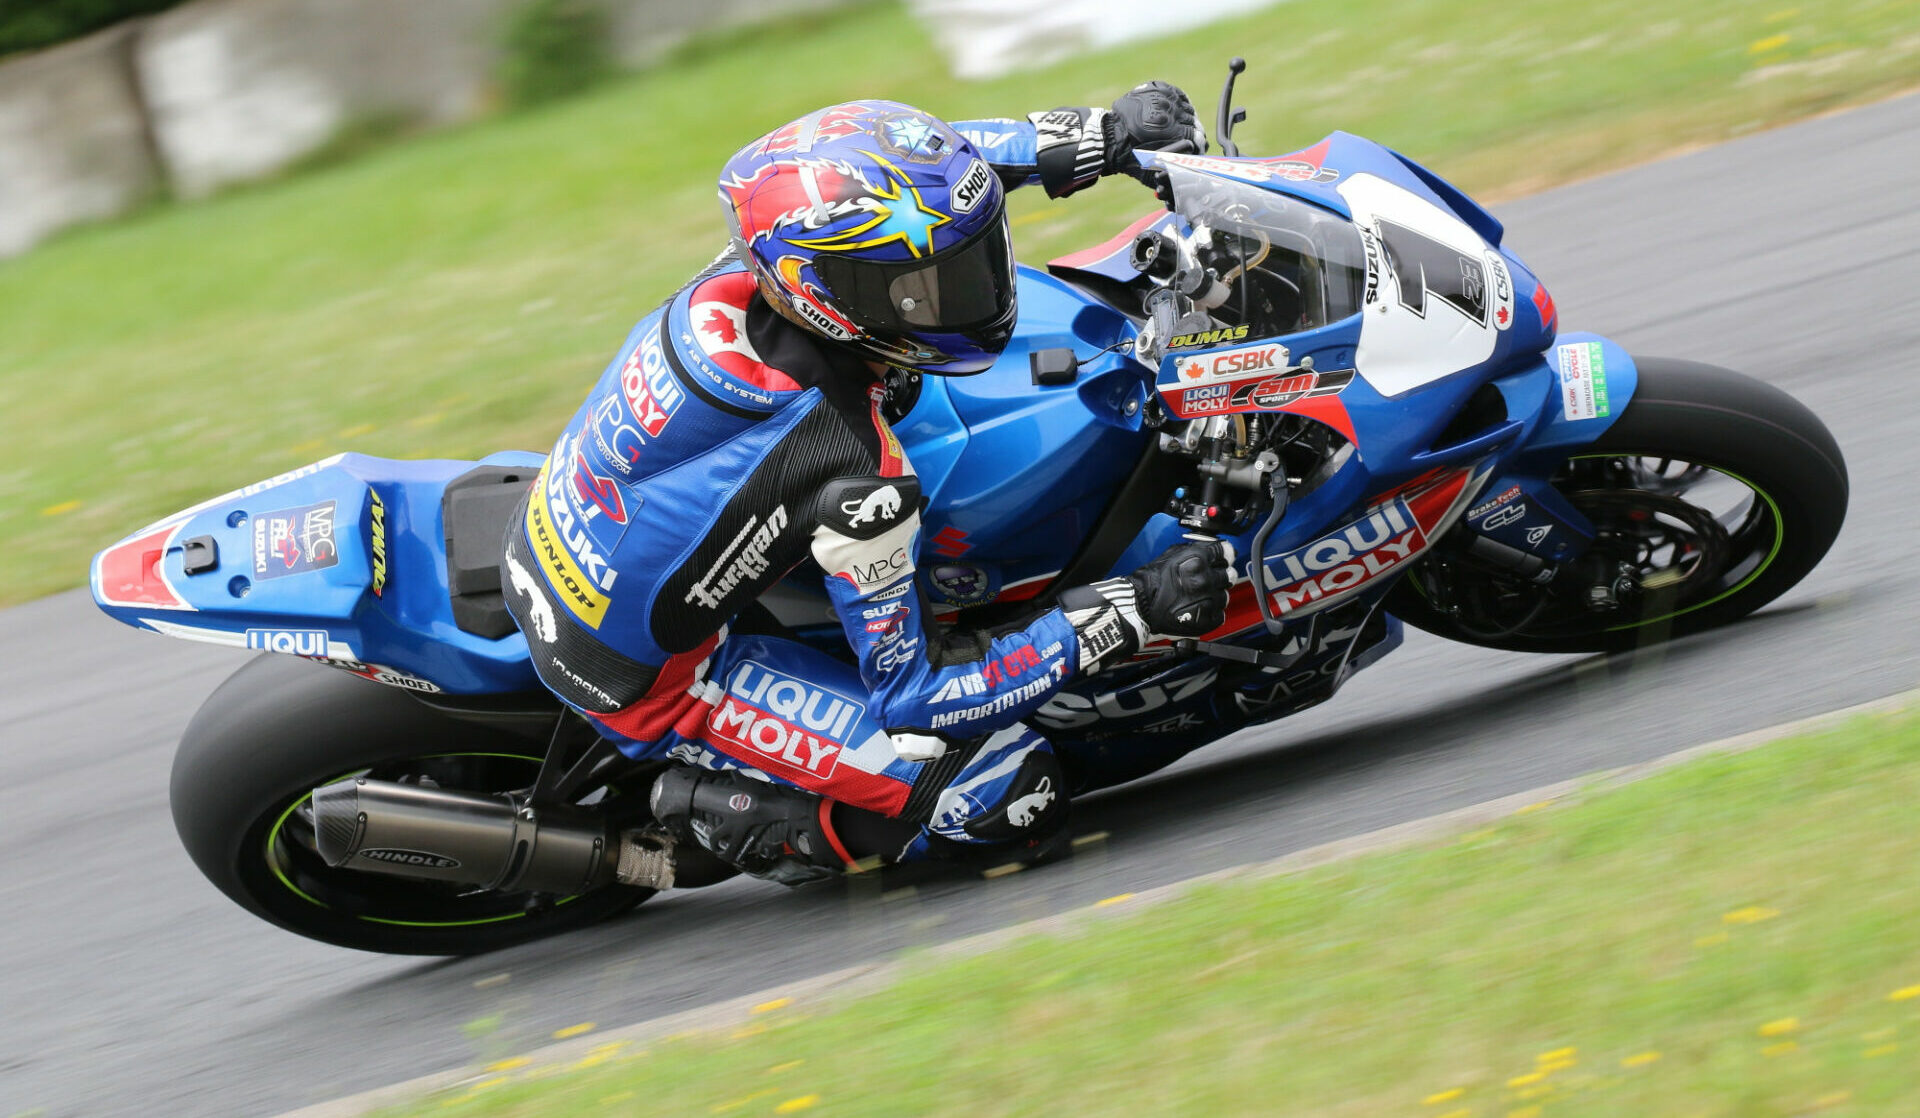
<point>1327,357</point>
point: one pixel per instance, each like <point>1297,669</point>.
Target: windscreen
<point>1289,265</point>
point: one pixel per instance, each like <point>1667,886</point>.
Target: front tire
<point>1691,422</point>
<point>278,728</point>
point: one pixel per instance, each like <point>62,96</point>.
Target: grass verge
<point>457,294</point>
<point>1750,954</point>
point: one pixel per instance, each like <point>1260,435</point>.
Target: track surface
<point>132,987</point>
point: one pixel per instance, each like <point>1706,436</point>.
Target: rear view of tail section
<point>342,561</point>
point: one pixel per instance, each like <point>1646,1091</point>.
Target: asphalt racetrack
<point>132,987</point>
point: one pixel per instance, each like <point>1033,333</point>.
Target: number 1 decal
<point>1427,267</point>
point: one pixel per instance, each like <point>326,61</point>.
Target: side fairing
<point>1017,474</point>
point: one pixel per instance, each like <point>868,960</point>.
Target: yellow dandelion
<point>1527,1080</point>
<point>750,1029</point>
<point>581,1029</point>
<point>769,1007</point>
<point>1714,939</point>
<point>1556,1055</point>
<point>1880,1050</point>
<point>1781,1027</point>
<point>1640,1059</point>
<point>1439,1097</point>
<point>1784,1048</point>
<point>801,1103</point>
<point>1752,914</point>
<point>61,509</point>
<point>1904,993</point>
<point>1117,898</point>
<point>509,1064</point>
<point>781,1069</point>
<point>1770,43</point>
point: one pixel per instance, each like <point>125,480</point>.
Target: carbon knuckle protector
<point>1183,593</point>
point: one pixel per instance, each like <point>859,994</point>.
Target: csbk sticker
<point>1233,364</point>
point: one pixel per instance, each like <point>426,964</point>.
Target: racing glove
<point>1075,146</point>
<point>1183,593</point>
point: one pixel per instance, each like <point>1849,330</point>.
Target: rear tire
<point>1731,424</point>
<point>279,727</point>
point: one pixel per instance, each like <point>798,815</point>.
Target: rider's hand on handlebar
<point>1183,593</point>
<point>1152,116</point>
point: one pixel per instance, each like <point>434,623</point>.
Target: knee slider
<point>1033,805</point>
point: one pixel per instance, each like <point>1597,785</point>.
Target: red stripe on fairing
<point>131,572</point>
<point>1328,410</point>
<point>669,704</point>
<point>1099,252</point>
<point>1026,588</point>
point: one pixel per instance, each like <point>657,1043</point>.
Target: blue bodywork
<point>1017,476</point>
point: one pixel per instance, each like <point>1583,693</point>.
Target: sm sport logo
<point>1394,531</point>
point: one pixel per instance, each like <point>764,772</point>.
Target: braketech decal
<point>1394,531</point>
<point>1266,394</point>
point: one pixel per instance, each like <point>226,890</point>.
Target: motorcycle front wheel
<point>279,727</point>
<point>1711,495</point>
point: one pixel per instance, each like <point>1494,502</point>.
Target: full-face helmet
<point>875,224</point>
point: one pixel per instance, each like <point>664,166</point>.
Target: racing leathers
<point>722,447</point>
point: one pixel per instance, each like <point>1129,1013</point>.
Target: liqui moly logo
<point>1332,566</point>
<point>649,386</point>
<point>299,642</point>
<point>785,723</point>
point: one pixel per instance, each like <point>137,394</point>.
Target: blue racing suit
<point>721,447</point>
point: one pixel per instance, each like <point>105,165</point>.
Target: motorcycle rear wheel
<point>279,727</point>
<point>1687,425</point>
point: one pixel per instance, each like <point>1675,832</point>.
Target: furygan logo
<point>419,858</point>
<point>752,541</point>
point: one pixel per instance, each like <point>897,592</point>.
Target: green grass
<point>1734,937</point>
<point>456,294</point>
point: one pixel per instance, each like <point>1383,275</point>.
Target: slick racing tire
<point>1712,494</point>
<point>279,727</point>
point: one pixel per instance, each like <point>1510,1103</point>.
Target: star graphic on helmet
<point>896,212</point>
<point>908,133</point>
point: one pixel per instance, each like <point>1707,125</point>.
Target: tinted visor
<point>966,286</point>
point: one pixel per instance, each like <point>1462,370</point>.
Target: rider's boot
<point>769,830</point>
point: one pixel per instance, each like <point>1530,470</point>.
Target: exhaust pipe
<point>500,842</point>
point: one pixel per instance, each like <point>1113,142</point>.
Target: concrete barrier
<point>73,141</point>
<point>216,92</point>
<point>237,89</point>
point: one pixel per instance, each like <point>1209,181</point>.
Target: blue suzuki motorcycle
<point>1328,358</point>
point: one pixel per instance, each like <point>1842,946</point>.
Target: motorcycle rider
<point>744,428</point>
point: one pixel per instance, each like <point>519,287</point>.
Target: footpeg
<point>646,860</point>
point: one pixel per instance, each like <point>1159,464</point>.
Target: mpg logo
<point>293,541</point>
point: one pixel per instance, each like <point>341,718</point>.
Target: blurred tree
<point>32,24</point>
<point>554,48</point>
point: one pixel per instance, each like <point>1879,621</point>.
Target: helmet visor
<point>966,286</point>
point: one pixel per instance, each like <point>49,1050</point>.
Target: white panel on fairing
<point>1401,347</point>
